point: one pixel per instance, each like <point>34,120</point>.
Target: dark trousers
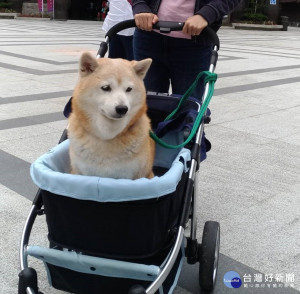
<point>174,61</point>
<point>121,47</point>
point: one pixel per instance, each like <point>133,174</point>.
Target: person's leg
<point>127,46</point>
<point>115,48</point>
<point>187,60</point>
<point>151,45</point>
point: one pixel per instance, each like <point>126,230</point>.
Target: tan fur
<point>103,142</point>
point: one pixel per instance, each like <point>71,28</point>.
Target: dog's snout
<point>121,109</point>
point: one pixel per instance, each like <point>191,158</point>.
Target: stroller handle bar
<point>163,26</point>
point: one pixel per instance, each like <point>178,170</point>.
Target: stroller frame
<point>206,253</point>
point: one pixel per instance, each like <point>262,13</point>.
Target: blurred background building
<point>250,11</point>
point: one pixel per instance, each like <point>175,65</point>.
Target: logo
<point>232,280</point>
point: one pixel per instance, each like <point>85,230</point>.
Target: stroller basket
<point>128,220</point>
<point>124,219</point>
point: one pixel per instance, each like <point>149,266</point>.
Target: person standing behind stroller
<point>120,46</point>
<point>177,57</point>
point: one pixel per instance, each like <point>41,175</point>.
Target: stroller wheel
<point>27,278</point>
<point>209,255</point>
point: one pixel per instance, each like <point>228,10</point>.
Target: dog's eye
<point>106,88</point>
<point>128,89</point>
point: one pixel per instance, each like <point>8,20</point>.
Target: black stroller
<point>127,236</point>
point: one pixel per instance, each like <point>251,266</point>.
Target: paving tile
<point>30,148</point>
<point>11,111</point>
<point>282,97</point>
<point>267,125</point>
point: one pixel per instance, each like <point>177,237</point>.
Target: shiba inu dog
<point>109,127</point>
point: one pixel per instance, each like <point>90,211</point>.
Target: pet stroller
<point>127,236</point>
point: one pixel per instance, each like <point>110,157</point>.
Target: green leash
<point>211,79</point>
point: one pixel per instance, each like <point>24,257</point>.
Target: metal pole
<point>25,236</point>
<point>169,265</point>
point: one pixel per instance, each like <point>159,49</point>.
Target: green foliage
<point>254,17</point>
<point>256,6</point>
<point>5,4</point>
<point>255,12</point>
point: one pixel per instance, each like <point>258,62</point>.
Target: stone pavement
<point>250,181</point>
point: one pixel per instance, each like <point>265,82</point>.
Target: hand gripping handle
<point>162,26</point>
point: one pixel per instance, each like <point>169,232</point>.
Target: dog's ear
<point>141,67</point>
<point>88,64</point>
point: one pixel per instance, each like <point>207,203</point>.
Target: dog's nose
<point>121,109</point>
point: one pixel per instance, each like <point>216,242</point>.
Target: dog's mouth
<point>113,116</point>
<point>116,117</point>
<point>119,112</point>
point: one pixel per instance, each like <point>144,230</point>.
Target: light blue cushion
<point>95,265</point>
<point>51,172</point>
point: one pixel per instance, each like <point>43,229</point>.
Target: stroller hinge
<point>192,251</point>
<point>40,211</point>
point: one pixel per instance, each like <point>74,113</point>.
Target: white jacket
<point>119,10</point>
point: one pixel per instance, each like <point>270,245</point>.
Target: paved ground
<point>250,181</point>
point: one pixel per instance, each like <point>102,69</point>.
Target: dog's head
<point>110,92</point>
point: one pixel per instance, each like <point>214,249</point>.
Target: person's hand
<point>194,25</point>
<point>145,21</point>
